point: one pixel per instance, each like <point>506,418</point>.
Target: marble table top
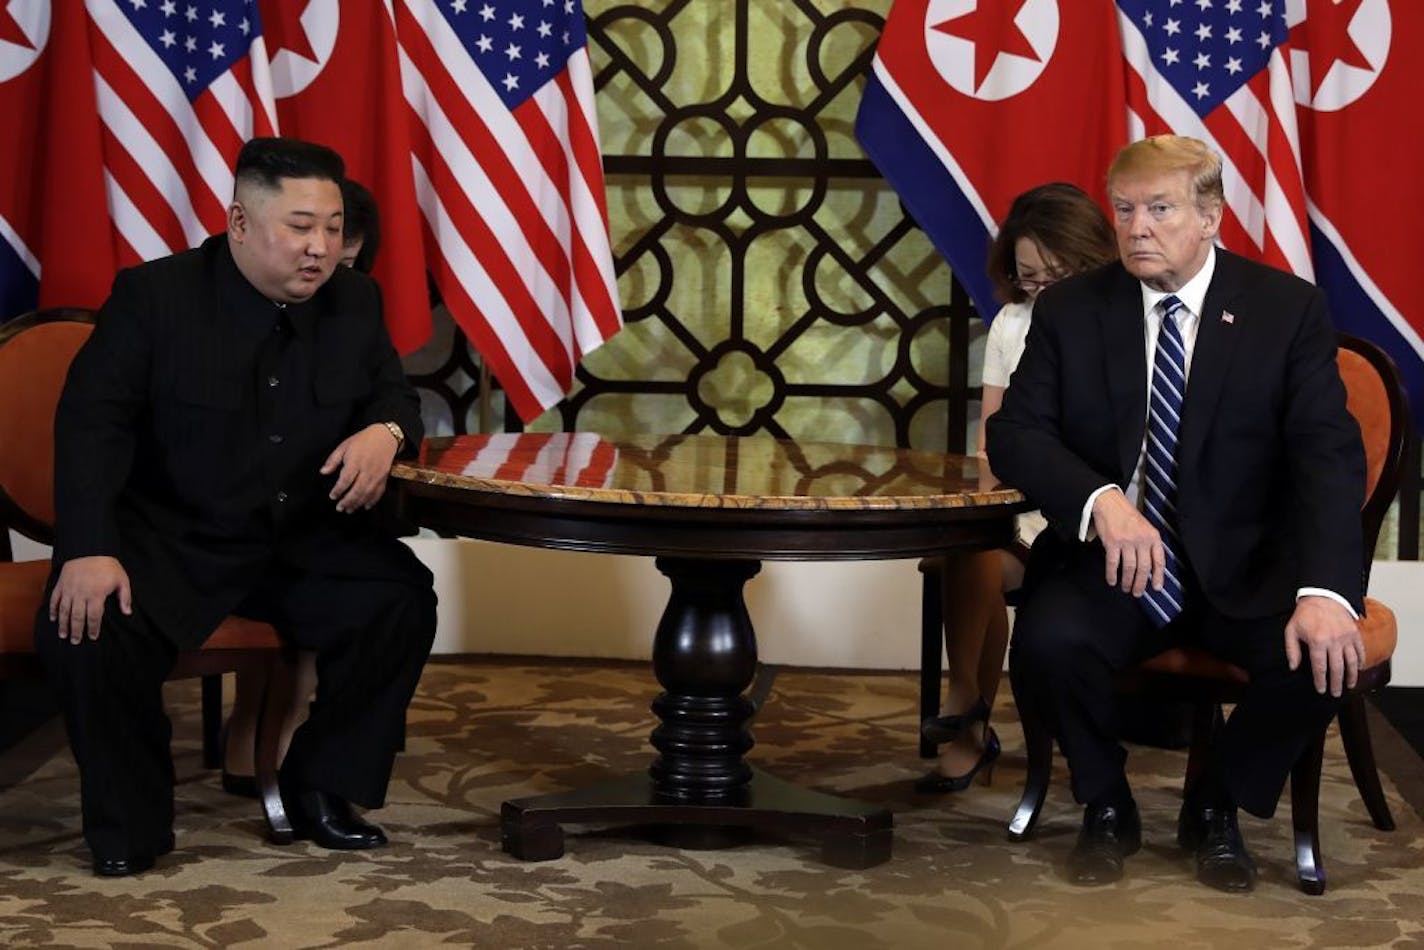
<point>705,471</point>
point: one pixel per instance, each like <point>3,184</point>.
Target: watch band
<point>397,432</point>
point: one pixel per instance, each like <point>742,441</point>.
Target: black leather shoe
<point>133,864</point>
<point>329,822</point>
<point>122,867</point>
<point>1109,834</point>
<point>1222,859</point>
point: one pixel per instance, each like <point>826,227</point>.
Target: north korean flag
<point>972,102</point>
<point>1356,83</point>
<point>56,247</point>
<point>336,78</point>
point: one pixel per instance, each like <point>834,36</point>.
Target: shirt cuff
<point>1322,592</point>
<point>1085,523</point>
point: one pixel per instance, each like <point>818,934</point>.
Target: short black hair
<point>266,161</point>
<point>361,221</point>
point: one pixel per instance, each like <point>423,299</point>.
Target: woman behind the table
<point>1050,232</point>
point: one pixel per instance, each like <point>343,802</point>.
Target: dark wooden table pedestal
<point>710,509</point>
<point>700,791</point>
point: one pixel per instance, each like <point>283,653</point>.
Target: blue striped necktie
<point>1159,483</point>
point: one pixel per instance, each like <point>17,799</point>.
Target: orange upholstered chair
<point>35,352</point>
<point>1376,400</point>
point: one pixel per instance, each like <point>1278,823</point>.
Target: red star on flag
<point>1324,35</point>
<point>992,30</point>
<point>10,31</point>
<point>287,30</point>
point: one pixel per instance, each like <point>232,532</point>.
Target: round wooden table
<point>710,509</point>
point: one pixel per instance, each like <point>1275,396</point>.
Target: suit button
<point>281,496</point>
<point>275,439</point>
<point>272,381</point>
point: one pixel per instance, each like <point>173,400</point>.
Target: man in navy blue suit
<point>1180,419</point>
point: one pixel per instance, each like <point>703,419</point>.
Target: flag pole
<point>484,396</point>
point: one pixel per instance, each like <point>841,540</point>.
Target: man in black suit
<point>1180,420</point>
<point>220,441</point>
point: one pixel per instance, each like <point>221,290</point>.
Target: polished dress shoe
<point>328,821</point>
<point>1109,834</point>
<point>1222,859</point>
<point>122,867</point>
<point>131,864</point>
<point>937,783</point>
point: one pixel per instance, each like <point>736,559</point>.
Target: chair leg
<point>1305,816</point>
<point>931,649</point>
<point>1360,753</point>
<point>212,721</point>
<point>1038,752</point>
<point>1206,722</point>
<point>277,686</point>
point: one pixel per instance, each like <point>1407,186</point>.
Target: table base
<point>851,834</point>
<point>700,789</point>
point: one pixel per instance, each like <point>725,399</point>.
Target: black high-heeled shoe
<point>243,786</point>
<point>936,783</point>
<point>234,783</point>
<point>940,729</point>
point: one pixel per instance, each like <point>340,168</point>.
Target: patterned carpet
<point>486,730</point>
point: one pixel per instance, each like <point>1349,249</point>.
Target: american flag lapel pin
<point>1228,317</point>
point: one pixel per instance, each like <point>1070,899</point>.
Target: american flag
<point>180,86</point>
<point>1216,70</point>
<point>510,184</point>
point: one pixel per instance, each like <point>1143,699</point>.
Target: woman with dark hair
<point>1050,232</point>
<point>361,227</point>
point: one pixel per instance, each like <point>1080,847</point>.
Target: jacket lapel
<point>1125,345</point>
<point>1216,342</point>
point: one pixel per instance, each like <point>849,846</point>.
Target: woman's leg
<point>299,701</point>
<point>996,631</point>
<point>975,633</point>
<point>241,731</point>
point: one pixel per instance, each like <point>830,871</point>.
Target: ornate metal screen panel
<point>769,278</point>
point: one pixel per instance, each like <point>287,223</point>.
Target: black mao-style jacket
<point>193,425</point>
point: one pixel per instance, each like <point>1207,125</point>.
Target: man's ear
<point>1211,220</point>
<point>236,222</point>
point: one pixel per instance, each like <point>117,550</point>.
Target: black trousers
<point>371,636</point>
<point>1075,632</point>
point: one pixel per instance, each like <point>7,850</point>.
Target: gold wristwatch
<point>395,430</point>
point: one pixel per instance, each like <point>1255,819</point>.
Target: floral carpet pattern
<point>482,731</point>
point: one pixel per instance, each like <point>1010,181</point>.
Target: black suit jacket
<point>1271,467</point>
<point>165,452</point>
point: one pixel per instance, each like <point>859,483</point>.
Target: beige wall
<point>497,598</point>
<point>502,599</point>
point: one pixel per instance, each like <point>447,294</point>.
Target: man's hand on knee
<point>1134,549</point>
<point>84,584</point>
<point>1332,642</point>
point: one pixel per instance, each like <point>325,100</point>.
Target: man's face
<point>1162,235</point>
<point>287,242</point>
